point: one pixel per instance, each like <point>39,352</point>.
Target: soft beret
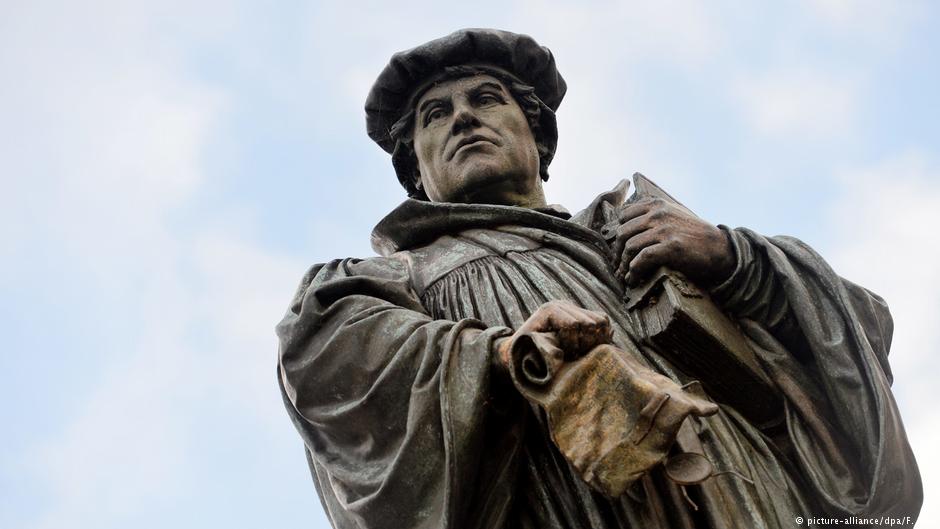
<point>410,70</point>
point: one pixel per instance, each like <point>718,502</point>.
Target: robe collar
<point>415,223</point>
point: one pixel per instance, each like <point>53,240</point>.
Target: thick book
<point>682,323</point>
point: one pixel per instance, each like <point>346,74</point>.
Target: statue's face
<point>474,145</point>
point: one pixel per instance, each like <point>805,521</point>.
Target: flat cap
<point>409,71</point>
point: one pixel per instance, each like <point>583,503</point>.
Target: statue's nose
<point>464,118</point>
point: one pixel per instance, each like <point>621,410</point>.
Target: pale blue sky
<point>169,171</point>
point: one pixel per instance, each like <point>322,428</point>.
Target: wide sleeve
<point>392,405</point>
<point>825,342</point>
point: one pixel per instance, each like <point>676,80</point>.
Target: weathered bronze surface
<point>503,363</point>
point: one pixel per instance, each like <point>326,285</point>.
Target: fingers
<point>646,225</point>
<point>581,316</point>
<point>636,215</point>
<point>634,246</point>
<point>578,330</point>
<point>640,207</point>
<point>646,252</point>
<point>647,261</point>
<point>627,231</point>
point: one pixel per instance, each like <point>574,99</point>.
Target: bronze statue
<point>506,364</point>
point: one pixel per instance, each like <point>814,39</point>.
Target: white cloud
<point>874,21</point>
<point>801,103</point>
<point>673,32</point>
<point>106,133</point>
<point>604,135</point>
<point>129,446</point>
<point>598,147</point>
<point>242,293</point>
<point>124,448</point>
<point>886,218</point>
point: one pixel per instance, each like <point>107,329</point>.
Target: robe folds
<point>385,365</point>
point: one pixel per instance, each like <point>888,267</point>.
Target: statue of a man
<point>400,372</point>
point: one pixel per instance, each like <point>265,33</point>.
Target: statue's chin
<point>490,182</point>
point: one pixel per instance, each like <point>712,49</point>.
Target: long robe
<point>386,371</point>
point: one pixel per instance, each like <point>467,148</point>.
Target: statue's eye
<point>434,114</point>
<point>488,99</point>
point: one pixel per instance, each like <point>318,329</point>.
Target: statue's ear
<point>545,157</point>
<point>417,178</point>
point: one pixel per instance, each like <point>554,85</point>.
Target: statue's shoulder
<point>391,267</point>
<point>339,278</point>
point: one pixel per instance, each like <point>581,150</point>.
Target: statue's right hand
<point>576,330</point>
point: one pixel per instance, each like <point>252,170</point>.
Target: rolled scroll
<point>611,417</point>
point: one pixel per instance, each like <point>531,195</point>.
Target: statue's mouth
<point>472,141</point>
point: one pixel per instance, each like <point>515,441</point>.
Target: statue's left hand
<point>654,232</point>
